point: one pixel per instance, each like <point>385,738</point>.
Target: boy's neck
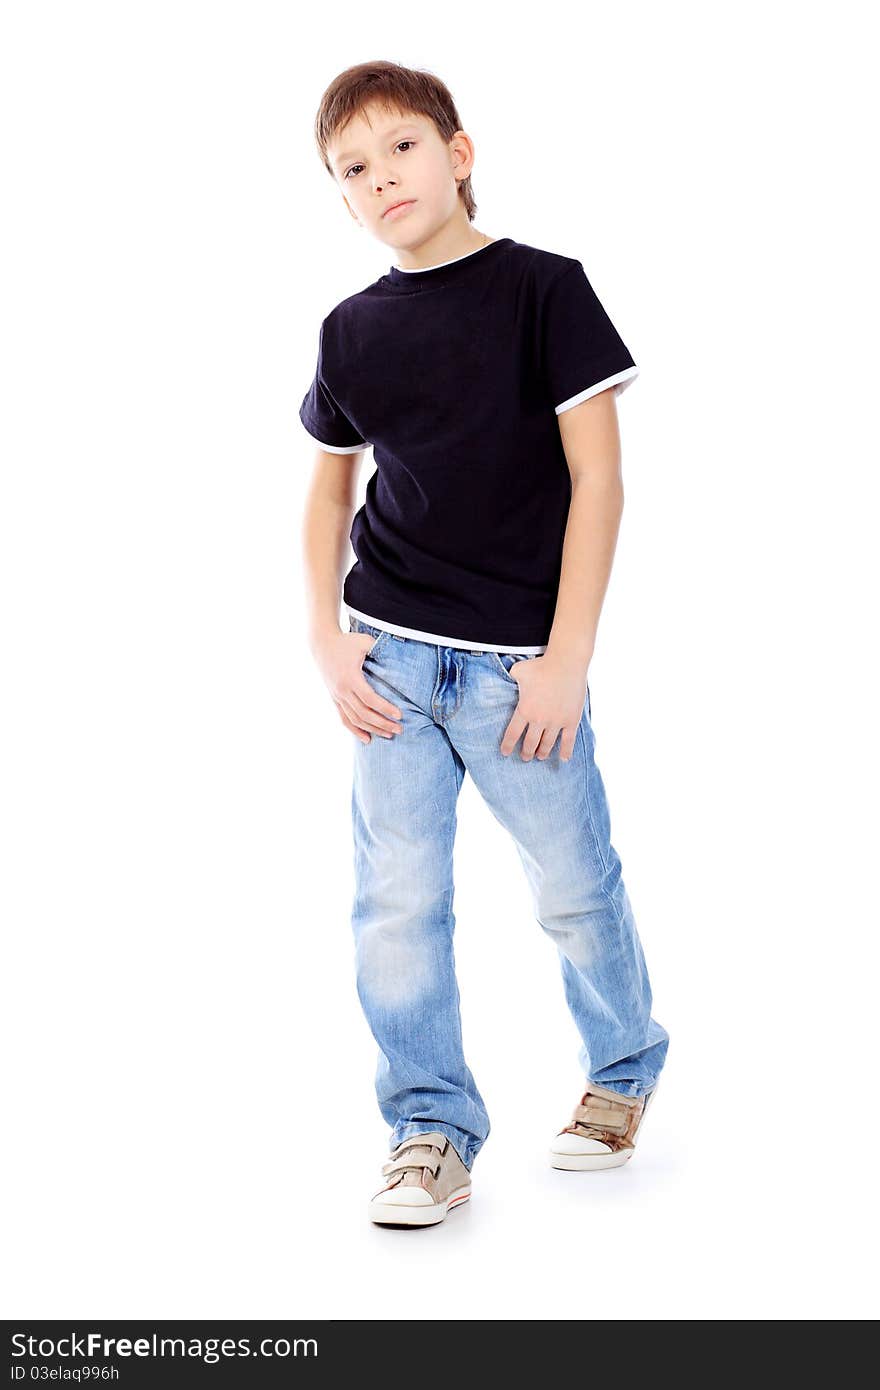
<point>440,250</point>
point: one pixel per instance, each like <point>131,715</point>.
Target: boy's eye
<point>355,167</point>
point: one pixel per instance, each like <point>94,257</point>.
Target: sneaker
<point>602,1131</point>
<point>426,1179</point>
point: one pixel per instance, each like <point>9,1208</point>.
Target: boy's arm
<point>331,500</point>
<point>591,440</point>
<point>585,365</point>
<point>329,511</point>
<point>553,687</point>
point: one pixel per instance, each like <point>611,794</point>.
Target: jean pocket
<point>377,633</point>
<point>504,661</point>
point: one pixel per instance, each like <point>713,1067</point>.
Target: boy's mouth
<point>397,209</point>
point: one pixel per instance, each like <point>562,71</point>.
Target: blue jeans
<point>455,705</point>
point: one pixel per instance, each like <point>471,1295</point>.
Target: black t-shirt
<point>455,375</point>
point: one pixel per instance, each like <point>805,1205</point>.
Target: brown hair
<point>410,90</point>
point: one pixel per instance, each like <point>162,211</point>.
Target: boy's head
<point>388,133</point>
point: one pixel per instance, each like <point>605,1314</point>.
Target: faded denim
<point>455,705</point>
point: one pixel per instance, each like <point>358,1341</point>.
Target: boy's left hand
<point>551,699</point>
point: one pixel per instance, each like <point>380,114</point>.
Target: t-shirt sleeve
<point>582,351</point>
<point>323,418</point>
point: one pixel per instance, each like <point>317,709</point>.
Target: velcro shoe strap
<point>407,1161</point>
<point>603,1114</point>
<point>419,1140</point>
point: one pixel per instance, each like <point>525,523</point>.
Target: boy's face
<point>384,157</point>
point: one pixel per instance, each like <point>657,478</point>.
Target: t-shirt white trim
<point>440,640</point>
<point>419,270</point>
<point>619,381</point>
<point>337,448</point>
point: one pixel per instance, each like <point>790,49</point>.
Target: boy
<point>483,372</point>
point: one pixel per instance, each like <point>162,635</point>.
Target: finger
<point>369,696</point>
<point>363,697</point>
<point>548,739</point>
<point>365,718</point>
<point>533,737</point>
<point>375,711</point>
<point>512,733</point>
<point>368,708</point>
<point>358,733</point>
<point>566,743</point>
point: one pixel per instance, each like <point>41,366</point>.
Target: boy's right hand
<point>340,658</point>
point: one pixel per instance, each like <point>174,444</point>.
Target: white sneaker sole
<point>586,1162</point>
<point>391,1214</point>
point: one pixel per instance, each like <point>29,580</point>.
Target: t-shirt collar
<point>446,270</point>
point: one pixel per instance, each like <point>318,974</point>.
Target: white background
<point>192,1128</point>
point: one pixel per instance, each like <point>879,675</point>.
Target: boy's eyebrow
<point>341,158</point>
